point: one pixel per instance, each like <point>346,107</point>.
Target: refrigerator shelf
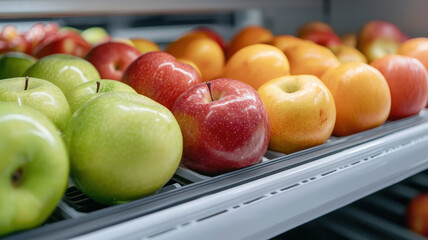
<point>283,192</point>
<point>381,215</point>
<point>287,199</point>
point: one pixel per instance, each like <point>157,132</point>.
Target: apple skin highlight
<point>161,77</point>
<point>226,134</point>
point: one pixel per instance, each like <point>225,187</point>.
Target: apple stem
<point>98,86</point>
<point>209,89</point>
<point>26,82</point>
<point>17,177</point>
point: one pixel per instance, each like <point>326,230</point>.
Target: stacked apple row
<point>45,39</point>
<point>126,119</point>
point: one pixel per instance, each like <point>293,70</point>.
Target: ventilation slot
<point>289,187</point>
<point>256,199</point>
<point>327,173</point>
<point>377,155</point>
<point>160,233</point>
<point>212,215</point>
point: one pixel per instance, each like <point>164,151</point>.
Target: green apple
<point>34,168</point>
<point>94,35</point>
<point>122,146</point>
<point>14,64</point>
<point>39,94</point>
<point>92,89</point>
<point>68,28</point>
<point>63,70</point>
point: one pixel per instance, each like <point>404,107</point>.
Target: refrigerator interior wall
<point>349,16</point>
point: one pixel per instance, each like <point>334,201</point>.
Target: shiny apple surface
<point>161,77</point>
<point>223,133</point>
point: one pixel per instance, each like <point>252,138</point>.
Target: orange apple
<point>349,39</point>
<point>301,112</point>
<point>348,54</point>
<point>310,58</point>
<point>285,41</point>
<point>417,214</point>
<point>379,38</point>
<point>204,52</point>
<point>323,38</point>
<point>362,97</point>
<point>408,82</point>
<point>248,36</point>
<point>257,64</point>
<point>144,45</point>
<point>313,26</point>
<point>417,48</point>
<point>211,33</point>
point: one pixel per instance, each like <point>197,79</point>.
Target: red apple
<point>313,26</point>
<point>9,32</point>
<point>224,125</point>
<point>19,44</point>
<point>3,46</point>
<point>379,38</point>
<point>67,42</point>
<point>161,77</point>
<point>324,38</point>
<point>211,33</point>
<point>112,58</point>
<point>38,32</point>
<point>417,214</point>
<point>11,40</point>
<point>407,79</point>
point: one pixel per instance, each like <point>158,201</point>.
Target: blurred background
<point>164,21</point>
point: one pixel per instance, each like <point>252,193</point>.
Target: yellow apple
<point>301,112</point>
<point>347,54</point>
<point>144,45</point>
